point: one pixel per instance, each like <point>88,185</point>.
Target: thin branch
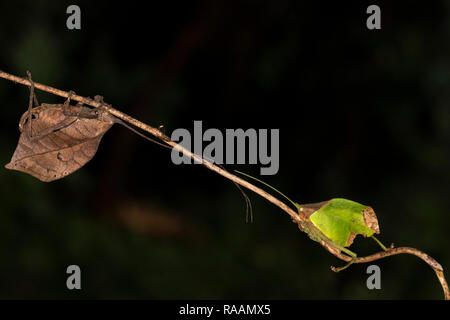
<point>403,250</point>
<point>158,134</point>
<point>296,217</point>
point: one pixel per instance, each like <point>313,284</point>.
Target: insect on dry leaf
<point>58,139</point>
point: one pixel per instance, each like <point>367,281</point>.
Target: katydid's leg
<point>350,253</point>
<point>32,93</point>
<point>36,102</point>
<point>60,125</point>
<point>344,267</point>
<point>30,104</point>
<point>379,242</point>
<point>99,99</point>
<point>69,96</point>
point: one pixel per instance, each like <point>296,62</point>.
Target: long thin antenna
<point>266,184</point>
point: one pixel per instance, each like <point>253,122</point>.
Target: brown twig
<point>297,217</point>
<point>404,250</point>
<point>158,134</point>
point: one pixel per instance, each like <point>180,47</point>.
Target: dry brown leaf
<point>63,139</point>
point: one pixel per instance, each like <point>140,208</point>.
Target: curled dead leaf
<point>63,138</point>
<point>370,219</point>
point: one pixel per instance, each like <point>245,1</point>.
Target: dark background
<point>362,114</point>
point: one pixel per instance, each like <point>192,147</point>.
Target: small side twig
<point>297,217</point>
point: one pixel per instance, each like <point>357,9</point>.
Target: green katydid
<point>334,223</point>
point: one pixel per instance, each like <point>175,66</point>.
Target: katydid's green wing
<point>341,219</point>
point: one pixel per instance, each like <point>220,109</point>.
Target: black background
<point>362,115</point>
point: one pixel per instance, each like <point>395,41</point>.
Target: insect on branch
<point>297,217</point>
